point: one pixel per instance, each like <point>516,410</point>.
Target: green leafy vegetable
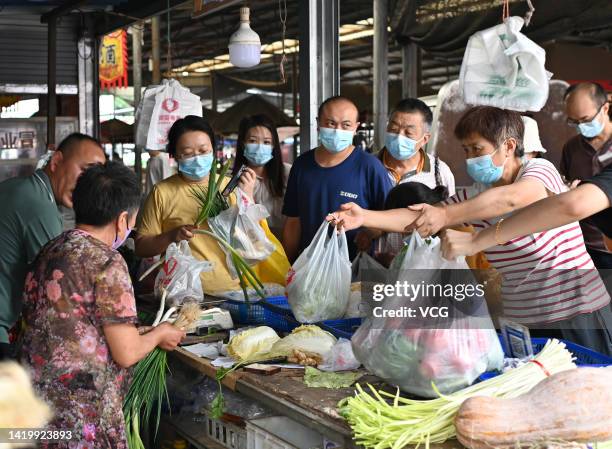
<point>320,379</point>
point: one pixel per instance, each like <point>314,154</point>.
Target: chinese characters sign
<point>114,60</point>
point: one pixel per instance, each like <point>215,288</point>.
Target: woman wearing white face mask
<point>548,279</point>
<point>258,148</point>
<point>171,209</point>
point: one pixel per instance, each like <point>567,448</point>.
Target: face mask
<point>482,169</point>
<point>591,129</point>
<point>117,243</point>
<point>258,153</point>
<point>401,147</point>
<point>335,140</point>
<point>196,167</point>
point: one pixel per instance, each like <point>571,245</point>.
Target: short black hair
<point>103,191</point>
<point>70,141</point>
<point>595,90</point>
<point>188,124</point>
<point>494,124</point>
<point>411,105</point>
<point>410,193</point>
<point>333,99</point>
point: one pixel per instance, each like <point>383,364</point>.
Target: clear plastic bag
<point>340,358</point>
<point>180,275</point>
<point>503,68</point>
<point>319,282</point>
<point>239,226</point>
<point>363,263</point>
<point>450,352</point>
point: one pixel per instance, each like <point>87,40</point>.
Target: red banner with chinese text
<point>114,60</point>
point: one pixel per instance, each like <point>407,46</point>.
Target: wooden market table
<point>286,394</point>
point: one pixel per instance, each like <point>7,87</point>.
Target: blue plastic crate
<point>584,356</point>
<point>341,328</point>
<point>251,312</point>
<point>277,314</point>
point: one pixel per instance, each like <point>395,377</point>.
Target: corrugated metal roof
<point>23,48</point>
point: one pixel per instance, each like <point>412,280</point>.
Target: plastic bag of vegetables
<point>239,225</point>
<point>178,280</point>
<point>319,282</point>
<point>416,354</point>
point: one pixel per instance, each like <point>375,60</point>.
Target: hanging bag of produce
<point>178,280</point>
<point>441,351</point>
<point>240,226</point>
<point>172,102</point>
<point>503,68</point>
<point>319,283</point>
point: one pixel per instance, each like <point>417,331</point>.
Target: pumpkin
<point>570,406</point>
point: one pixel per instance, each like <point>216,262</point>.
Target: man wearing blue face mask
<point>588,153</point>
<point>332,174</point>
<point>405,158</point>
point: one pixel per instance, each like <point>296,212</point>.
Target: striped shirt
<point>547,276</point>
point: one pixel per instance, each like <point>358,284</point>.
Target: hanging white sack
<point>502,67</point>
<point>170,102</point>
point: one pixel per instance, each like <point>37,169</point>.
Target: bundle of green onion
<point>148,388</point>
<point>382,420</point>
<point>212,203</point>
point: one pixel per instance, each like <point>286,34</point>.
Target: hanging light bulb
<point>244,45</point>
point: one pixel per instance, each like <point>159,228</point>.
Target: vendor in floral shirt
<point>80,313</point>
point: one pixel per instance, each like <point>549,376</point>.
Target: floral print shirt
<point>77,285</point>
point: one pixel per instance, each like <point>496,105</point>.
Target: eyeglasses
<point>571,122</point>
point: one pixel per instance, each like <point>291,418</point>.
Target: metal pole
<point>137,75</point>
<point>155,50</point>
<point>381,71</point>
<point>319,62</point>
<point>213,92</point>
<point>294,84</point>
<point>51,80</point>
<point>410,69</point>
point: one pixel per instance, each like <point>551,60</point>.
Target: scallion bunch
<point>148,388</point>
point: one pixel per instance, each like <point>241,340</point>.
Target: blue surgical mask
<point>258,153</point>
<point>591,129</point>
<point>335,140</point>
<point>196,167</point>
<point>400,147</point>
<point>482,169</point>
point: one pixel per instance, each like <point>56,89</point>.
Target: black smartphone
<point>231,186</point>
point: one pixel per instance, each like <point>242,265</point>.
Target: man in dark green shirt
<point>30,218</point>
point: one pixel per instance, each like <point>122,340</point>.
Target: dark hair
<point>334,99</point>
<point>410,105</point>
<point>494,124</point>
<point>595,91</point>
<point>187,124</point>
<point>409,193</point>
<point>69,142</point>
<point>103,191</point>
<point>274,168</point>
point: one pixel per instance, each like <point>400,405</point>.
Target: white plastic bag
<point>363,263</point>
<point>180,275</point>
<point>170,102</point>
<point>319,282</point>
<point>450,352</point>
<point>239,226</point>
<point>340,358</point>
<point>502,67</point>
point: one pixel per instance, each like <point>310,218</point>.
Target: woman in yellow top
<point>171,209</point>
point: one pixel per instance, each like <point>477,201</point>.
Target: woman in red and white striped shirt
<point>548,278</point>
